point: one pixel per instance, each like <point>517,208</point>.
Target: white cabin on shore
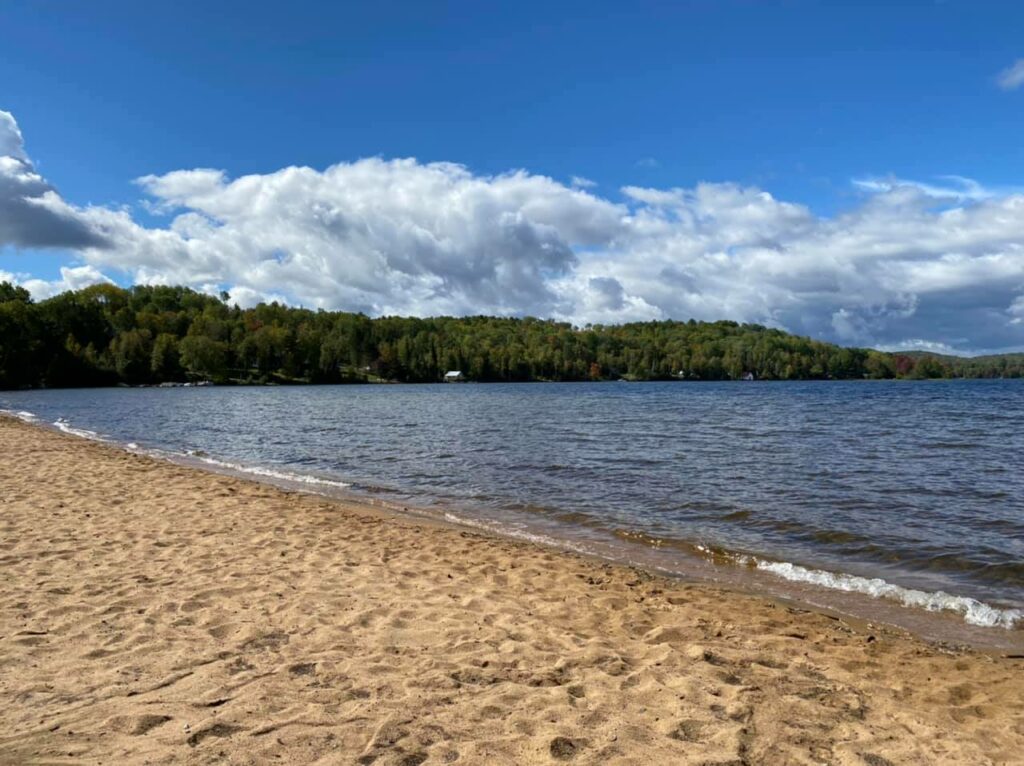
<point>454,376</point>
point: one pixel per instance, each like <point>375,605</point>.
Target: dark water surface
<point>908,492</point>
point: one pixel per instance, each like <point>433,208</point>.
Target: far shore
<point>155,613</point>
<point>298,382</point>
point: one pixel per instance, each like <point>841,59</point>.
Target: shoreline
<point>157,613</point>
<point>934,615</point>
<point>493,382</point>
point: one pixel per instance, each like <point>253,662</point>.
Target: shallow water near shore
<point>907,496</point>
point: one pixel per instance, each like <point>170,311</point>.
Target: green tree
<point>132,354</point>
<point>203,357</point>
<point>10,292</point>
<point>165,362</point>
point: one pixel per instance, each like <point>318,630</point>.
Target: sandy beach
<point>155,613</point>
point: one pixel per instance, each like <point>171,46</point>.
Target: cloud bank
<point>910,264</point>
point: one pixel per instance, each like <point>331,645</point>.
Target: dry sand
<point>153,613</point>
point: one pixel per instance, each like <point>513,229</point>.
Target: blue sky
<point>798,100</point>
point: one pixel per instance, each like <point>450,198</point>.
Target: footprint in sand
<point>688,730</point>
<point>137,725</point>
<point>216,730</point>
<point>565,748</point>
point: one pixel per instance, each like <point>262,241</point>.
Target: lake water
<point>907,493</point>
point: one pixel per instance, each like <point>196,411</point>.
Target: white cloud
<point>957,189</point>
<point>582,183</point>
<point>11,143</point>
<point>373,235</point>
<point>71,278</point>
<point>941,263</point>
<point>1012,77</point>
<point>918,344</point>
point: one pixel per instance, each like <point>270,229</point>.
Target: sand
<point>155,613</point>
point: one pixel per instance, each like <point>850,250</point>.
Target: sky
<point>847,171</point>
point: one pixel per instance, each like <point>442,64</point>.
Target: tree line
<point>106,335</point>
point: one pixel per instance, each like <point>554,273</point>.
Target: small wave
<point>255,470</point>
<point>737,516</point>
<point>28,417</point>
<point>520,534</point>
<point>84,433</point>
<point>973,611</point>
<point>374,490</point>
<point>717,555</point>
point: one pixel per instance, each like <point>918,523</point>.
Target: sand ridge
<point>153,613</point>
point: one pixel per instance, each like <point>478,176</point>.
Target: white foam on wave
<point>84,433</point>
<point>65,426</point>
<point>28,417</point>
<point>270,473</point>
<point>973,611</point>
<point>739,559</point>
<point>517,533</point>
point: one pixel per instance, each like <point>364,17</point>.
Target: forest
<point>106,335</point>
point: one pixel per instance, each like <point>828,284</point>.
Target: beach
<point>155,613</point>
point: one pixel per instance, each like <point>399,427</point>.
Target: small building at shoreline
<point>454,376</point>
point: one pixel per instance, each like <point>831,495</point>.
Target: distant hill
<point>106,335</point>
<point>985,366</point>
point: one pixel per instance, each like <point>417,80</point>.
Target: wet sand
<point>155,613</point>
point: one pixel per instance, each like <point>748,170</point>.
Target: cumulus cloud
<point>32,214</point>
<point>938,263</point>
<point>374,235</point>
<point>1012,77</point>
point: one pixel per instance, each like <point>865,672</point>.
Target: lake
<point>911,493</point>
